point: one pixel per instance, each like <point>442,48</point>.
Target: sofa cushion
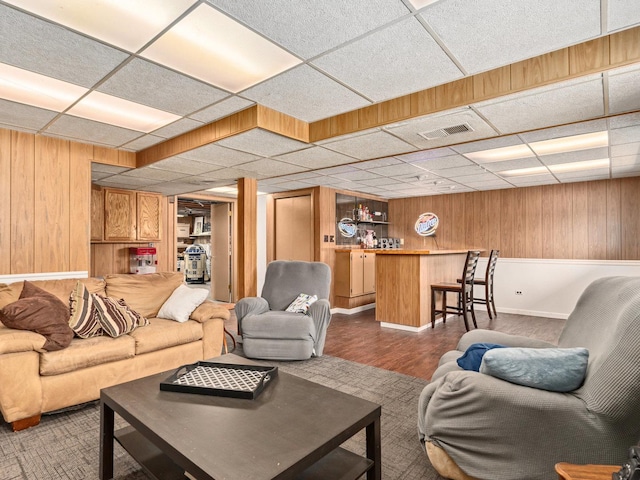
<point>144,293</point>
<point>554,369</point>
<point>182,302</point>
<point>87,352</point>
<point>114,318</point>
<point>162,333</point>
<point>9,293</point>
<point>41,312</point>
<point>84,319</point>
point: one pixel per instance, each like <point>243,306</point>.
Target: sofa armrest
<point>14,341</point>
<point>320,311</point>
<point>208,310</point>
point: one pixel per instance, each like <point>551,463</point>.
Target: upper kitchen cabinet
<point>149,213</point>
<point>129,216</point>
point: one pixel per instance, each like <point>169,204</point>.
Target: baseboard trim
<point>42,276</point>
<point>351,311</point>
<point>534,313</point>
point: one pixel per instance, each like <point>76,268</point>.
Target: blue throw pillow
<point>554,369</point>
<point>472,357</point>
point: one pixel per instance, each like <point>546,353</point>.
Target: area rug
<point>66,445</point>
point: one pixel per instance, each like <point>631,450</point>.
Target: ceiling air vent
<point>445,132</point>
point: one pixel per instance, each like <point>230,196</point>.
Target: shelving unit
<point>347,207</point>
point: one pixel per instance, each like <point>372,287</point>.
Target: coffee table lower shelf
<point>340,464</point>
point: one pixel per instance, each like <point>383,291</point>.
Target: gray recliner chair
<point>478,426</point>
<point>268,331</point>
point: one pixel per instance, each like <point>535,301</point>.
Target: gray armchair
<point>268,331</point>
<point>478,426</point>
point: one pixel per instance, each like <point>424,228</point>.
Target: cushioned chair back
<point>606,321</point>
<point>285,280</point>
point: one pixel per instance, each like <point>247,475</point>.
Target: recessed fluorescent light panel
<point>122,113</point>
<point>228,191</point>
<point>210,46</point>
<point>571,144</point>
<point>421,3</point>
<point>30,88</point>
<point>559,168</point>
<point>500,154</point>
<point>111,20</point>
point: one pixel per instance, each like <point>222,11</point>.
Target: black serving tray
<point>220,379</point>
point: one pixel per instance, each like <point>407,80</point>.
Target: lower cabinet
<point>355,273</point>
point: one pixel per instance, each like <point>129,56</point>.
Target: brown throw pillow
<point>84,319</point>
<point>42,312</point>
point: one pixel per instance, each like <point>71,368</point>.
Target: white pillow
<point>182,302</point>
<point>301,303</point>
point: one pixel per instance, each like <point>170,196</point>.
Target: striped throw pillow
<point>115,318</point>
<point>84,319</point>
<point>140,320</point>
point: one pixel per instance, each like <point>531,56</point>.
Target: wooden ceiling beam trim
<point>283,124</point>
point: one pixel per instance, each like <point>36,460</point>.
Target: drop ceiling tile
<point>397,187</point>
<point>90,131</point>
<point>110,169</point>
<point>143,142</point>
<point>380,162</point>
<point>357,175</point>
<point>221,109</point>
<point>171,91</point>
<point>309,27</point>
<point>381,182</point>
<point>627,120</point>
<point>478,178</point>
<point>410,130</point>
<point>337,170</point>
<point>567,102</point>
<point>176,128</point>
<point>590,126</point>
<point>489,144</point>
<point>444,162</point>
<point>217,155</point>
<point>532,180</point>
<point>621,136</point>
<point>625,171</point>
<point>424,155</point>
<point>509,32</point>
<point>347,136</point>
<point>152,173</point>
<point>587,175</point>
<point>269,167</point>
<point>184,165</point>
<point>513,164</point>
<point>24,116</point>
<point>460,171</point>
<point>625,150</point>
<point>577,156</point>
<point>399,170</point>
<point>231,174</point>
<point>488,184</point>
<point>263,143</point>
<point>271,188</point>
<point>325,181</point>
<point>315,157</point>
<point>95,176</point>
<point>623,89</point>
<point>626,161</point>
<point>175,188</point>
<point>307,183</point>
<point>294,177</point>
<point>129,181</point>
<point>373,145</point>
<point>399,59</point>
<point>622,14</point>
<point>306,94</point>
<point>49,49</point>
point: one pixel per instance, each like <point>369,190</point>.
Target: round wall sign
<point>347,228</point>
<point>426,224</point>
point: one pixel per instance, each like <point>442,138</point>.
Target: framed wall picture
<point>197,225</point>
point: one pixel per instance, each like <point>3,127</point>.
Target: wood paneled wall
<point>597,220</point>
<point>45,186</point>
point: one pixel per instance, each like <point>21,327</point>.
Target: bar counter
<point>403,284</point>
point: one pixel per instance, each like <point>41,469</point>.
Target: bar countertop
<point>400,251</point>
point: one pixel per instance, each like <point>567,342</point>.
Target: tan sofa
<point>34,381</point>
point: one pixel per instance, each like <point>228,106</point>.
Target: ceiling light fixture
<point>572,143</point>
<point>111,20</point>
<point>500,154</point>
<point>208,45</point>
<point>123,113</point>
<point>30,88</point>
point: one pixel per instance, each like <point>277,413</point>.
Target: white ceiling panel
<point>513,164</point>
<point>477,178</point>
<point>531,180</point>
<point>127,181</point>
<point>373,145</point>
<point>263,143</point>
<point>171,92</point>
<point>176,128</point>
<point>626,161</point>
<point>590,126</point>
<point>184,165</point>
<point>487,184</point>
<point>222,109</point>
<point>315,157</point>
<point>110,169</point>
<point>507,34</point>
<point>587,175</point>
<point>175,188</point>
<point>49,49</point>
<point>399,59</point>
<point>90,131</point>
<point>452,161</point>
<point>578,156</point>
<point>336,170</point>
<point>380,162</point>
<point>217,155</point>
<point>143,142</point>
<point>14,114</point>
<point>327,181</point>
<point>624,88</point>
<point>625,150</point>
<point>410,130</point>
<point>489,144</point>
<point>294,177</point>
<point>308,27</point>
<point>627,120</point>
<point>460,171</point>
<point>381,182</point>
<point>229,174</point>
<point>426,155</point>
<point>398,170</point>
<point>358,175</point>
<point>620,136</point>
<point>622,14</point>
<point>305,93</point>
<point>543,107</point>
<point>625,171</point>
<point>268,166</point>
<point>95,176</point>
<point>152,173</point>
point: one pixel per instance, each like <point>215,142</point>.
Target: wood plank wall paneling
<point>79,205</point>
<point>247,249</point>
<point>22,202</point>
<point>5,201</point>
<point>586,220</point>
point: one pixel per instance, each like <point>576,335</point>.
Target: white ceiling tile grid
<point>13,114</point>
<point>369,146</point>
<point>222,109</point>
<point>218,155</point>
<point>263,143</point>
<point>622,14</point>
<point>89,131</point>
<point>315,157</point>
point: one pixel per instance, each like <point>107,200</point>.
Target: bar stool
<point>488,284</point>
<point>463,291</point>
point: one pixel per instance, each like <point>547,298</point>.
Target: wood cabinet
<point>355,273</point>
<point>125,215</point>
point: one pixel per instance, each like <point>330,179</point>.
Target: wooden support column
<point>247,237</point>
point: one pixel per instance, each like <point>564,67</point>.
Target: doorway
<point>205,244</point>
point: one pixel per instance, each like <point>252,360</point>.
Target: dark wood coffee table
<point>291,431</point>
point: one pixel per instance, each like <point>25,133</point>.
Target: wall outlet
<point>518,292</point>
<point>326,238</point>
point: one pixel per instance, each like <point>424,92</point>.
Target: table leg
<point>374,450</point>
<point>106,441</point>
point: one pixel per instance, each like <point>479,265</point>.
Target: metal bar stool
<point>463,291</point>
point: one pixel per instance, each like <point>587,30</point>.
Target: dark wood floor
<point>361,339</point>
